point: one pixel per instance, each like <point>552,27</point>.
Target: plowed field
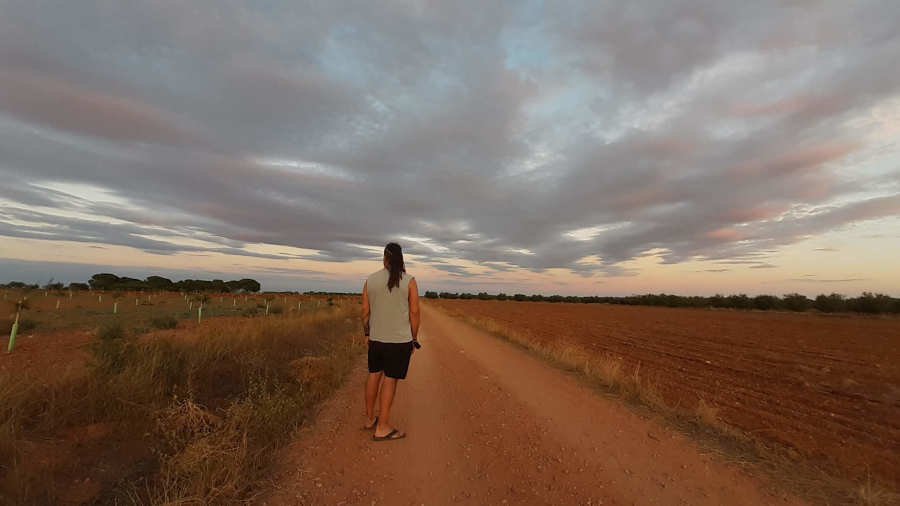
<point>825,387</point>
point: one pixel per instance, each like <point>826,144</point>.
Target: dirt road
<point>490,424</point>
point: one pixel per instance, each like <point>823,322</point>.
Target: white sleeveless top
<point>389,316</point>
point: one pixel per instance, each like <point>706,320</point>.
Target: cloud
<point>487,131</point>
<point>56,104</point>
<point>816,280</point>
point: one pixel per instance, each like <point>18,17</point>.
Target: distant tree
<point>249,285</point>
<point>431,295</point>
<point>739,301</point>
<point>766,302</point>
<point>519,297</point>
<point>158,283</point>
<point>103,281</point>
<point>718,300</point>
<point>130,284</point>
<point>833,303</point>
<point>796,302</point>
<point>502,296</point>
<point>872,303</point>
<point>78,287</point>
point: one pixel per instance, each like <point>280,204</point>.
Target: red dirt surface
<point>47,356</point>
<point>825,387</point>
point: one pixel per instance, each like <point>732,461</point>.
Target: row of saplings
<point>159,322</point>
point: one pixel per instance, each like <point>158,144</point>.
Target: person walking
<point>390,315</point>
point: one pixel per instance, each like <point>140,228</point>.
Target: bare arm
<point>366,310</point>
<point>414,316</point>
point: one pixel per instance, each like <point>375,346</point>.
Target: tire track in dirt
<point>490,424</point>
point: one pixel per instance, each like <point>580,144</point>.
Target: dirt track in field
<point>827,388</point>
<point>489,423</point>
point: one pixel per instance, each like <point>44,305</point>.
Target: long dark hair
<point>394,259</point>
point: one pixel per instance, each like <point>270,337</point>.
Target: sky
<point>573,147</point>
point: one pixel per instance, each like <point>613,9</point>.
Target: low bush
<point>111,330</point>
<point>164,322</point>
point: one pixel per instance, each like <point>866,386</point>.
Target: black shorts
<point>392,358</point>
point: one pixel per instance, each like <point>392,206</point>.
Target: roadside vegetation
<point>167,411</point>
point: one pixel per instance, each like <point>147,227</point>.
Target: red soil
<point>824,387</point>
<point>46,356</point>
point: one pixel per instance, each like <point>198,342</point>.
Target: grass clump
<point>872,494</point>
<point>110,331</point>
<point>164,322</point>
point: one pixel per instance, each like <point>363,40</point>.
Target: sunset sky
<point>568,147</point>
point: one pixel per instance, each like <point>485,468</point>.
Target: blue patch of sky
<point>340,59</point>
<point>526,43</point>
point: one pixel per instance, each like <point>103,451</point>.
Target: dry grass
<point>212,404</point>
<point>708,414</point>
<point>872,494</point>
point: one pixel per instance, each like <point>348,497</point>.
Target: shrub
<point>109,351</point>
<point>277,309</point>
<point>164,322</point>
<point>110,331</point>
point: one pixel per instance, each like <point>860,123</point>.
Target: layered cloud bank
<point>520,137</point>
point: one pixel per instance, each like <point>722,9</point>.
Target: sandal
<point>390,436</point>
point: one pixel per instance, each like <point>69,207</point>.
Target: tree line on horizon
<point>108,281</point>
<point>867,302</point>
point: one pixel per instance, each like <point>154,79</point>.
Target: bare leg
<point>372,384</point>
<point>388,388</point>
